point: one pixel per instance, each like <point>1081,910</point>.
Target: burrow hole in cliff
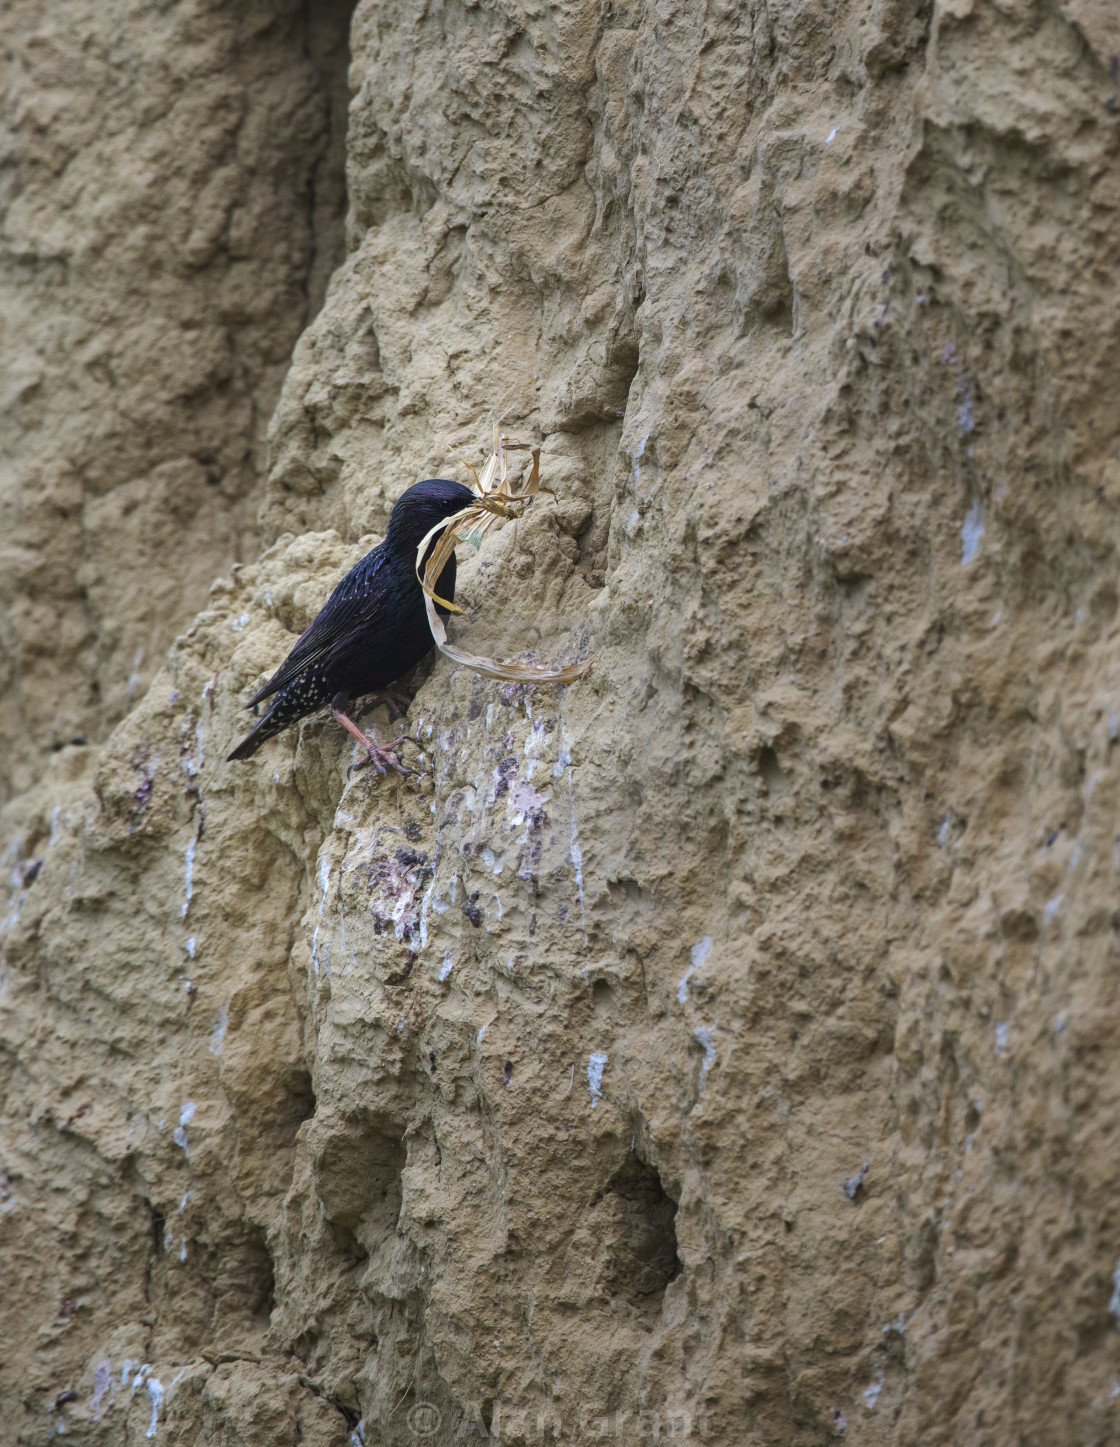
<point>230,1270</point>
<point>639,1223</point>
<point>294,1104</point>
<point>358,1179</point>
<point>244,1279</point>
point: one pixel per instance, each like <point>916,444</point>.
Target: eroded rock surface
<point>724,1047</point>
<point>173,197</point>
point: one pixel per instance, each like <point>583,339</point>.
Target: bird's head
<point>424,505</point>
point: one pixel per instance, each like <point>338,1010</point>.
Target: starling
<point>372,629</point>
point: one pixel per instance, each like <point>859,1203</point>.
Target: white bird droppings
<point>966,415</point>
<point>972,530</point>
<point>575,854</point>
<point>189,875</point>
<point>102,1386</point>
<point>596,1064</point>
<point>186,1115</point>
<point>218,1033</point>
<point>705,1035</point>
<point>639,453</point>
<point>700,953</point>
<point>155,1391</point>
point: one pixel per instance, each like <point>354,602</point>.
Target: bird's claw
<point>382,757</point>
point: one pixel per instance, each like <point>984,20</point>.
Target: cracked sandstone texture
<point>525,1093</point>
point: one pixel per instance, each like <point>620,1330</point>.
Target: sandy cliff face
<point>172,208</point>
<point>724,1047</point>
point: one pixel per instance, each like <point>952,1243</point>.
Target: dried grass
<point>498,498</point>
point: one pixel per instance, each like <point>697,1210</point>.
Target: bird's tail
<point>255,737</point>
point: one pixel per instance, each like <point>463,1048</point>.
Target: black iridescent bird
<point>371,630</point>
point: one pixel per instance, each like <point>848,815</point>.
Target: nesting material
<point>498,497</point>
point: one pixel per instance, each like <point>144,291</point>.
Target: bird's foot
<point>381,756</point>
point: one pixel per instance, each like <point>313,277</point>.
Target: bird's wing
<point>355,603</point>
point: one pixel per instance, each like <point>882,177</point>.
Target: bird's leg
<point>396,700</point>
<point>379,756</point>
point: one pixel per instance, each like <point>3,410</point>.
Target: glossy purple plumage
<point>373,628</point>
